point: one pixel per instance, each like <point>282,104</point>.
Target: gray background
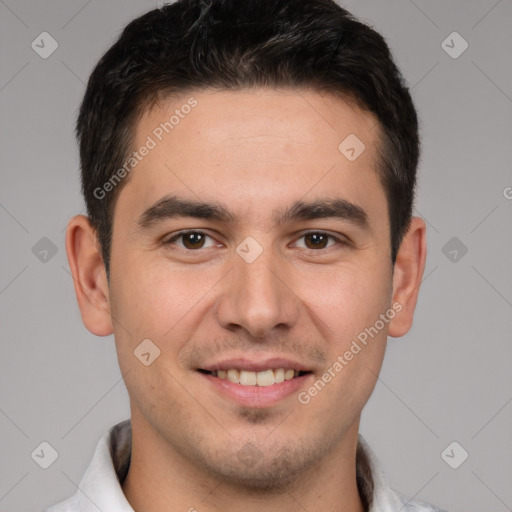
<point>448,380</point>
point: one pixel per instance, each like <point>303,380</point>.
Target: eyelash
<point>181,234</point>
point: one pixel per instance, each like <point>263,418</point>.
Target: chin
<point>256,472</point>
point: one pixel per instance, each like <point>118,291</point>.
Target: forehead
<point>256,143</point>
<point>257,115</point>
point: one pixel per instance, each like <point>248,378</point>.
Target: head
<point>281,136</point>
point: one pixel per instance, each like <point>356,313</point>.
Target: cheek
<point>361,335</point>
<point>348,299</point>
<point>151,298</point>
<point>157,301</point>
<point>153,302</point>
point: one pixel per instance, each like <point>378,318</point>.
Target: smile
<point>252,378</point>
<point>256,382</point>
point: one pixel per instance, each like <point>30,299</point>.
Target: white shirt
<point>100,487</point>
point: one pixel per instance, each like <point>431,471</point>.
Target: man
<point>249,172</point>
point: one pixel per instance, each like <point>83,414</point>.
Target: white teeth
<point>247,378</point>
<point>264,378</point>
<point>233,376</point>
<point>279,376</point>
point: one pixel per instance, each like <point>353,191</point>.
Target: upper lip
<point>256,365</point>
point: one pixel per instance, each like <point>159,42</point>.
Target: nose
<point>258,297</point>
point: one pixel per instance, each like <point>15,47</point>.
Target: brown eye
<point>316,240</point>
<point>191,240</point>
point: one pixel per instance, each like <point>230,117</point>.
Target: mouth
<point>263,378</point>
<point>252,383</point>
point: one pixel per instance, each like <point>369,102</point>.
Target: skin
<point>253,151</point>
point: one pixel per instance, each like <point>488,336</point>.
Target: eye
<point>194,240</point>
<point>316,240</point>
<point>190,240</point>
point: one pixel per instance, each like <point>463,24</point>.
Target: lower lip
<point>257,396</point>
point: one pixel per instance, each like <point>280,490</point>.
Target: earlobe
<point>407,276</point>
<point>89,277</point>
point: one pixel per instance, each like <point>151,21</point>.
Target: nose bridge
<point>255,297</point>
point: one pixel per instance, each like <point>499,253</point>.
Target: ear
<point>407,276</point>
<point>89,276</point>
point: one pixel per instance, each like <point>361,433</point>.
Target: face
<point>253,254</point>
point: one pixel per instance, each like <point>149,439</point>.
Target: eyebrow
<point>172,207</point>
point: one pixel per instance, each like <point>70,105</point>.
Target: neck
<point>161,479</point>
